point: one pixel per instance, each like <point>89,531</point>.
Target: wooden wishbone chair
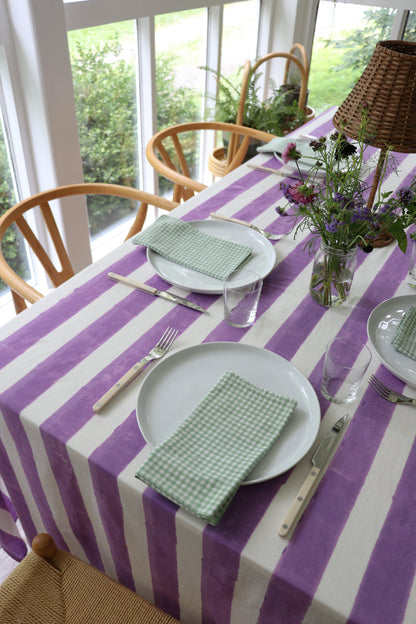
<point>22,292</point>
<point>173,164</point>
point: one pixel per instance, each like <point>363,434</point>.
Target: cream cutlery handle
<point>217,215</point>
<point>268,169</point>
<point>132,283</point>
<point>120,385</point>
<point>298,502</point>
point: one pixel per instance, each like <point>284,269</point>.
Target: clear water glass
<point>241,293</point>
<point>346,362</point>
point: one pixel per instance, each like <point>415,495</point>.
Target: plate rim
<point>222,224</point>
<point>314,412</point>
<point>371,332</point>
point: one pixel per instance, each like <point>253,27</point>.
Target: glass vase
<point>332,275</point>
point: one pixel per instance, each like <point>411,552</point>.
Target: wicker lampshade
<point>388,89</point>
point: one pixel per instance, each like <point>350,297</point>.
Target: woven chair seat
<point>65,590</point>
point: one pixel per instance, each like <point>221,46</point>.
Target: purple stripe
<point>299,571</point>
<point>286,341</point>
<point>7,505</point>
<point>106,463</point>
<point>71,496</point>
<point>28,389</point>
<point>222,546</point>
<point>386,586</point>
<point>160,521</point>
<point>20,508</point>
<point>18,342</point>
<point>29,465</point>
<point>12,545</point>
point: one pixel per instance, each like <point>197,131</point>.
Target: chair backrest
<point>302,65</point>
<point>22,292</point>
<point>166,153</point>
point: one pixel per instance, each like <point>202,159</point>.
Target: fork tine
<point>161,339</point>
<point>378,386</point>
<point>168,338</point>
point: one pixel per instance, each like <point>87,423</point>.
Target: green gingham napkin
<point>202,463</point>
<point>184,244</point>
<point>404,338</point>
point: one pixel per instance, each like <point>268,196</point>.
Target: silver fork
<point>388,394</point>
<point>158,351</point>
<point>269,235</point>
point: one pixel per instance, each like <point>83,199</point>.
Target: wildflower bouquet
<point>331,201</point>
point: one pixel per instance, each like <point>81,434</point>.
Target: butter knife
<point>269,235</point>
<point>318,462</point>
<point>157,293</point>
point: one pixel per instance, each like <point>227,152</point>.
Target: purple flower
<point>405,194</point>
<point>361,214</point>
<point>290,153</point>
<point>333,225</point>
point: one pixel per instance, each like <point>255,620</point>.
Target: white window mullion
<point>212,60</point>
<point>146,94</point>
<point>39,35</point>
<point>399,24</point>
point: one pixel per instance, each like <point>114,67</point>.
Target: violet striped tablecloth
<point>351,558</point>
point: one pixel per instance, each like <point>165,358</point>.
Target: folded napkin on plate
<point>279,144</point>
<point>404,338</point>
<point>184,244</point>
<point>202,463</point>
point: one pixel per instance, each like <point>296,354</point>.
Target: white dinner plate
<point>262,261</point>
<point>179,383</point>
<point>381,326</point>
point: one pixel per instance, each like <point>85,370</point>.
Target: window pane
<point>345,38</point>
<point>180,40</point>
<point>13,246</point>
<point>103,62</point>
<point>239,40</point>
<point>410,31</point>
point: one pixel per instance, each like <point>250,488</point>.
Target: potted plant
<point>278,114</point>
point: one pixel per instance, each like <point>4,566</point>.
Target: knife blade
<point>157,293</point>
<point>318,461</point>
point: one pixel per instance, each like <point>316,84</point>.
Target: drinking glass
<point>411,276</point>
<point>241,292</point>
<point>345,364</point>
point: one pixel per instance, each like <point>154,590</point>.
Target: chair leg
<point>19,302</point>
<point>138,221</point>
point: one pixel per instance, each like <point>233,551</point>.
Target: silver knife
<point>269,235</point>
<point>318,462</point>
<point>155,292</point>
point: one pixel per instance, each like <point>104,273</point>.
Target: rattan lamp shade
<point>388,89</point>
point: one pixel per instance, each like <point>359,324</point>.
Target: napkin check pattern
<point>203,462</point>
<point>404,338</point>
<point>184,244</point>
